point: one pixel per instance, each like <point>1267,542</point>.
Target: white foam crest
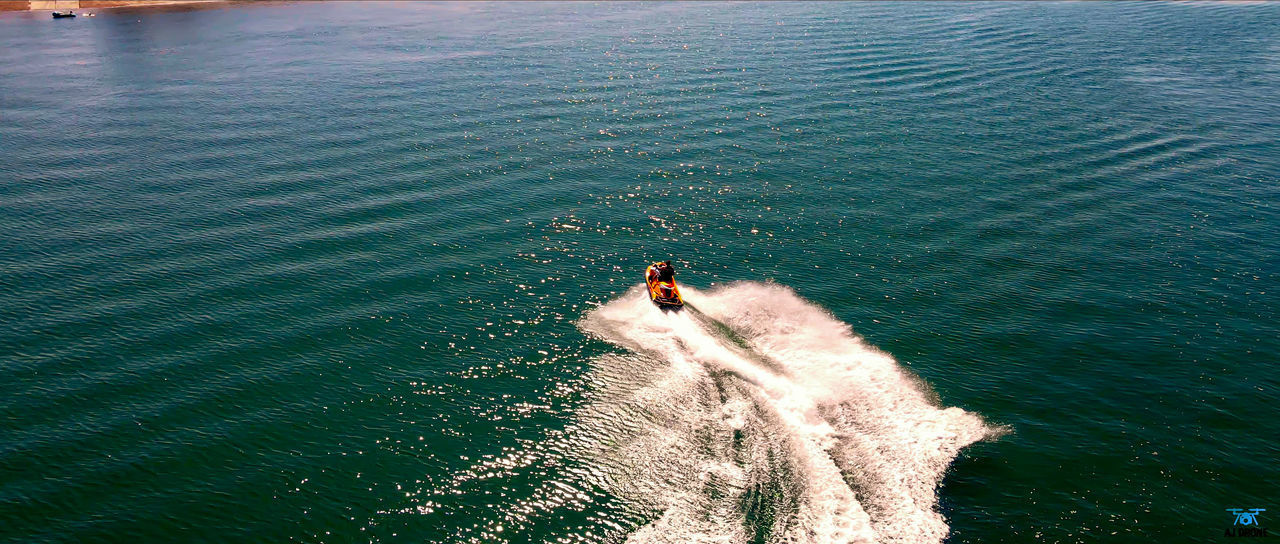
<point>866,447</point>
<point>828,510</point>
<point>894,444</point>
<point>661,446</point>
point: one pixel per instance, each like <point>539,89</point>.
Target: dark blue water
<point>961,272</point>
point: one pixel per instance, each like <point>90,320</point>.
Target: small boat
<point>63,14</point>
<point>661,279</point>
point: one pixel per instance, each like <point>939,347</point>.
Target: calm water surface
<point>958,272</point>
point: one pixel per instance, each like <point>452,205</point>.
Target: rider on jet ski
<point>666,272</point>
<point>661,278</point>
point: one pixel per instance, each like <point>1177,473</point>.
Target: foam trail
<point>759,417</point>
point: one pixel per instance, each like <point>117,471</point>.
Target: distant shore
<point>39,5</point>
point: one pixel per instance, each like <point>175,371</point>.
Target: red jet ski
<point>661,278</point>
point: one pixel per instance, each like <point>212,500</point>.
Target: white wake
<point>755,415</point>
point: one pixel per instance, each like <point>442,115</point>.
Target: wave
<point>756,416</point>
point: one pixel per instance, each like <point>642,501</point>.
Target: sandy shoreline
<point>49,5</point>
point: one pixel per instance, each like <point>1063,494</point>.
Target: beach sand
<point>35,5</point>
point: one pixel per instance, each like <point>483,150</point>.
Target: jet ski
<point>665,294</point>
<point>63,15</point>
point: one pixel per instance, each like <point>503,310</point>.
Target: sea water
<point>956,272</point>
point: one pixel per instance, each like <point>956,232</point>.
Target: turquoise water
<point>989,272</point>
